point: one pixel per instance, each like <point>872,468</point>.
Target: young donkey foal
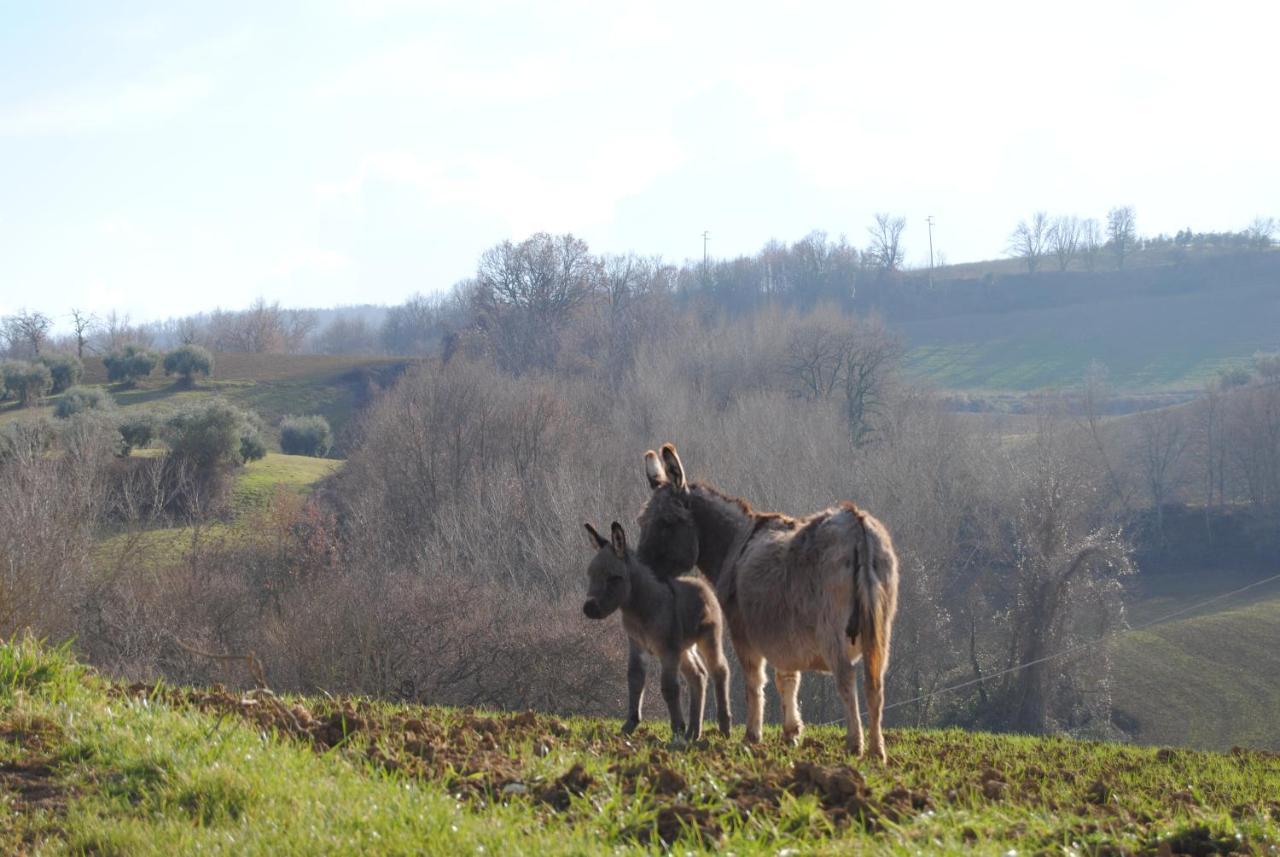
<point>813,593</point>
<point>674,620</point>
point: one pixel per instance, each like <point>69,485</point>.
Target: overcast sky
<point>164,160</point>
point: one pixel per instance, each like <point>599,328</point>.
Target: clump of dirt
<point>993,784</point>
<point>572,783</point>
<point>34,787</point>
<point>841,789</point>
<point>1198,841</point>
<point>674,820</point>
<point>901,802</point>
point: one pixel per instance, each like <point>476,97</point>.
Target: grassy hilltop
<point>91,766</point>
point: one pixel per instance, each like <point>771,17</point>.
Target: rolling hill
<point>1211,680</point>
<point>1156,329</point>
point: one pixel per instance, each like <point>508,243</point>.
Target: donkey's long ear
<point>653,469</point>
<point>671,464</point>
<point>597,541</point>
<point>619,539</point>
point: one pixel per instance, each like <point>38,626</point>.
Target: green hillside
<point>1149,339</point>
<point>1206,681</point>
<point>88,766</point>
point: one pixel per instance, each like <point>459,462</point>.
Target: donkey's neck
<point>720,521</point>
<point>645,589</point>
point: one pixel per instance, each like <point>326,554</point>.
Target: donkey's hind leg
<point>712,649</point>
<point>753,675</point>
<point>874,663</point>
<point>789,689</point>
<point>695,676</point>
<point>846,684</point>
<point>635,686</point>
<point>671,692</point>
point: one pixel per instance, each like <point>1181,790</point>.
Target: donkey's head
<point>668,535</point>
<point>608,576</point>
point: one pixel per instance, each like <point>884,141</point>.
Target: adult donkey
<point>812,593</point>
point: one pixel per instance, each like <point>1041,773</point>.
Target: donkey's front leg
<point>635,686</point>
<point>671,692</point>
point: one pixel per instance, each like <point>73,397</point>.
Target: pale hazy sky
<point>166,158</point>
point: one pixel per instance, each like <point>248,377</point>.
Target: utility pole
<point>929,220</point>
<point>705,235</point>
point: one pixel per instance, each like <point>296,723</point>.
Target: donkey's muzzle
<point>592,609</point>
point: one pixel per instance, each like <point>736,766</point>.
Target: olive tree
<point>26,382</point>
<point>187,361</point>
<point>130,364</point>
<point>305,435</point>
<point>80,399</point>
<point>66,370</point>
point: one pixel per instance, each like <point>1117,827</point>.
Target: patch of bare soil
<point>29,786</point>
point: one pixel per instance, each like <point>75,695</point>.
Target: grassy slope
<point>1208,681</point>
<point>85,766</point>
<point>1147,341</point>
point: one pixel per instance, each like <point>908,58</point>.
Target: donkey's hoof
<point>630,726</point>
<point>853,747</point>
<point>752,736</point>
<point>792,735</point>
<point>879,755</point>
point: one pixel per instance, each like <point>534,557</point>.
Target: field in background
<point>1148,340</point>
<point>1208,680</point>
<point>90,766</point>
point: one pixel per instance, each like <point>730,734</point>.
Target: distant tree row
<point>1066,239</point>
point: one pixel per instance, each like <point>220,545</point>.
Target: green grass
<point>1206,681</point>
<point>87,766</point>
<point>297,474</point>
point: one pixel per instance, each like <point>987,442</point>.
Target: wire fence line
<point>1071,650</point>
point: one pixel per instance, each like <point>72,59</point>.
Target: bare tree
<point>1030,239</point>
<point>26,332</point>
<point>82,324</point>
<point>1090,242</point>
<point>886,249</point>
<point>526,292</point>
<point>831,353</point>
<point>263,328</point>
<point>1065,574</point>
<point>1122,232</point>
<point>1162,442</point>
<point>1064,239</point>
<point>1260,232</point>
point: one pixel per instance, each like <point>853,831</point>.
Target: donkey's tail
<point>875,575</point>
